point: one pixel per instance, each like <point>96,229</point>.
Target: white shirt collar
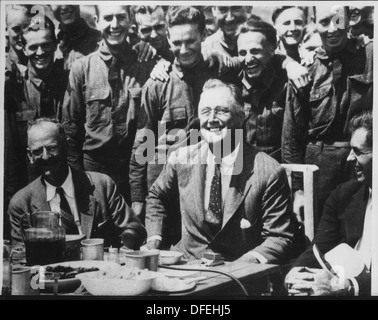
<point>67,186</point>
<point>227,161</point>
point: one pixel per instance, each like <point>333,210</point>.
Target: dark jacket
<point>341,87</point>
<point>342,222</point>
<point>102,210</point>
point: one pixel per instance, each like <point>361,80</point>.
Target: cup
<point>73,242</point>
<point>142,259</point>
<point>22,281</point>
<point>92,249</point>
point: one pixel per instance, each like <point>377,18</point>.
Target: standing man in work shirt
<point>317,116</point>
<point>102,101</point>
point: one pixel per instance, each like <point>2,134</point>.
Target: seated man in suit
<point>239,207</point>
<point>346,219</point>
<point>88,201</point>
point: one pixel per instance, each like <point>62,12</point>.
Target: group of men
<point>159,122</point>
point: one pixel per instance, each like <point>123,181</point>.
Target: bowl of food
<point>169,257</point>
<point>117,281</point>
<point>65,272</point>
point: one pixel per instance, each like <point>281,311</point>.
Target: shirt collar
<point>129,55</point>
<point>67,186</point>
<point>36,79</point>
<point>180,71</point>
<point>227,161</point>
<point>266,78</point>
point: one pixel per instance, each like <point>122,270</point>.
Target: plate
<point>70,285</point>
<point>170,273</point>
<point>169,257</point>
<point>171,285</point>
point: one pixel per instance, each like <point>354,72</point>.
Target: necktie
<point>214,213</point>
<point>47,105</point>
<point>68,221</point>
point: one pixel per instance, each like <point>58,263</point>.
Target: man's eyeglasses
<point>218,112</point>
<point>52,150</point>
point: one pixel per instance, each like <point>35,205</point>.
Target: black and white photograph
<point>206,150</point>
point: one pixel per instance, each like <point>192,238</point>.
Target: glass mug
<point>44,238</point>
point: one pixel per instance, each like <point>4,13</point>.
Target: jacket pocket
<point>318,93</point>
<point>98,107</point>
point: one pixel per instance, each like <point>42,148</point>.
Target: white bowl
<point>169,257</point>
<point>115,287</point>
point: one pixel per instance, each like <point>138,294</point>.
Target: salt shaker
<point>113,255</point>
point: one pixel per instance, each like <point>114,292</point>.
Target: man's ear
<point>96,20</point>
<point>28,152</point>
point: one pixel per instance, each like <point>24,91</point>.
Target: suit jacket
<point>342,222</point>
<point>102,210</point>
<point>259,193</point>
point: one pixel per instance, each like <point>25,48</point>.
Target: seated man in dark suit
<point>233,199</point>
<point>345,219</point>
<point>92,203</point>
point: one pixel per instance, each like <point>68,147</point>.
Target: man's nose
<point>39,50</point>
<point>292,25</point>
<point>333,26</point>
<point>248,58</point>
<point>212,116</point>
<point>229,16</point>
<point>153,33</point>
<point>183,48</point>
<point>351,156</point>
<point>114,22</point>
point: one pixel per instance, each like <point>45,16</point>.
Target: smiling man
<point>171,105</point>
<point>103,99</point>
<point>16,17</point>
<point>76,38</point>
<point>233,199</point>
<point>42,87</point>
<point>290,23</point>
<point>347,218</point>
<point>264,84</point>
<point>316,118</point>
<point>89,202</point>
<point>152,28</point>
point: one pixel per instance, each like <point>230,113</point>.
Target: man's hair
<point>179,15</point>
<point>278,10</point>
<point>97,10</point>
<point>347,11</point>
<point>18,7</point>
<point>145,9</point>
<point>265,28</point>
<point>236,92</point>
<point>364,120</point>
<point>33,25</point>
<point>40,121</point>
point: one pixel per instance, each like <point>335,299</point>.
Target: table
<point>256,278</point>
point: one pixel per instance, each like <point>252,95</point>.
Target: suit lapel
<point>86,202</point>
<point>240,183</point>
<point>39,202</point>
<point>355,215</point>
<point>199,176</point>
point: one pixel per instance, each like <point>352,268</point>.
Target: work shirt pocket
<point>98,107</point>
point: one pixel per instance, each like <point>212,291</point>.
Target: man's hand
<point>314,282</point>
<point>153,244</point>
<point>297,74</point>
<point>138,208</point>
<point>160,71</point>
<point>145,51</point>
